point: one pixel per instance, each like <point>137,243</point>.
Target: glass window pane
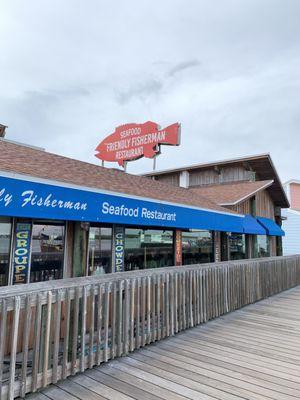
<point>197,247</point>
<point>100,250</point>
<point>149,248</point>
<point>5,239</point>
<point>237,243</point>
<point>263,246</point>
<point>47,257</point>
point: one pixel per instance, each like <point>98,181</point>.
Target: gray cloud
<point>140,91</point>
<point>183,66</point>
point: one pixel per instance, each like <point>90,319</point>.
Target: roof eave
<point>248,196</point>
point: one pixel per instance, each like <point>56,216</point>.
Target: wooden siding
<point>273,249</point>
<point>264,205</point>
<point>172,179</point>
<point>242,208</point>
<point>225,174</point>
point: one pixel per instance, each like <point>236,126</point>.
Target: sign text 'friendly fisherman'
<point>132,141</point>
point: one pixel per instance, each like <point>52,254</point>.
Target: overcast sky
<point>227,70</point>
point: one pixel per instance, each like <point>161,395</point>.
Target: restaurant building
<point>61,217</point>
<point>247,185</point>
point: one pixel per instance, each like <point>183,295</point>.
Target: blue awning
<point>252,227</point>
<point>52,200</point>
<point>272,228</point>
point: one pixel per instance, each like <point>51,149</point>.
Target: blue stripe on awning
<point>272,228</point>
<point>31,199</point>
<point>251,226</point>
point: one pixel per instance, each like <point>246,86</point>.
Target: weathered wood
<point>66,337</point>
<point>99,324</point>
<point>148,309</point>
<point>102,317</point>
<point>37,331</point>
<point>92,327</point>
<point>47,340</point>
<point>75,331</point>
<point>132,313</point>
<point>13,351</point>
<point>56,336</point>
<point>126,319</point>
<point>119,332</point>
<point>25,344</point>
<point>2,339</point>
<point>137,317</point>
<point>106,322</point>
<point>143,310</point>
<point>158,319</point>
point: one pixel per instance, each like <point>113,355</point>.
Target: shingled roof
<point>229,194</point>
<point>25,160</point>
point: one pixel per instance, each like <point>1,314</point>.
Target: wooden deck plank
<point>242,374</point>
<point>138,382</point>
<point>122,387</point>
<point>79,391</point>
<point>252,353</point>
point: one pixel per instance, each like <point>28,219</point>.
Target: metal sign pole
<point>154,163</point>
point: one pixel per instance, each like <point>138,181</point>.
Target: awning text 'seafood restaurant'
<point>61,217</point>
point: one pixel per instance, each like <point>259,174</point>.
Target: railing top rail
<point>60,284</point>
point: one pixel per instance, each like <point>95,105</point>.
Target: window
<point>263,246</point>
<point>237,243</point>
<point>47,257</point>
<point>5,239</point>
<point>148,249</point>
<point>197,247</point>
<point>100,250</point>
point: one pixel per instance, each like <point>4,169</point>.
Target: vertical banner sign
<point>119,245</point>
<point>178,248</point>
<point>21,253</point>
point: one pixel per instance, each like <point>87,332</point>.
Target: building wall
<point>295,196</point>
<point>222,175</point>
<point>172,179</point>
<point>242,208</point>
<point>291,226</point>
<point>264,205</point>
<point>210,176</point>
<point>273,246</point>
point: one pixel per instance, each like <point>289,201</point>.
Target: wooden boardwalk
<point>252,353</point>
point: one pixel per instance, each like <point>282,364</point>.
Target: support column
<point>178,247</point>
<point>217,246</point>
<point>249,246</point>
<point>80,249</point>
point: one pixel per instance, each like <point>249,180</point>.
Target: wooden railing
<point>51,330</point>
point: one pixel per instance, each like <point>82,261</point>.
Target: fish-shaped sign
<point>132,141</point>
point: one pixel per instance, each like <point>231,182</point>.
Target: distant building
<point>291,222</point>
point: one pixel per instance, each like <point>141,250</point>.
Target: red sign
<point>133,141</point>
